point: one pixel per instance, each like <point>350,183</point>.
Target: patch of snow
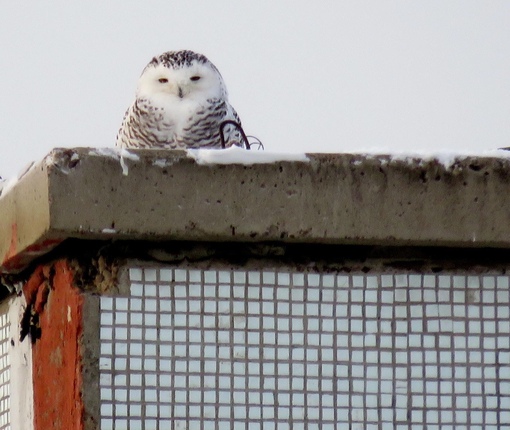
<point>109,230</point>
<point>235,155</point>
<point>445,158</point>
<point>162,162</point>
<point>124,153</point>
<point>52,161</point>
<point>125,169</point>
<point>120,154</point>
<point>105,152</point>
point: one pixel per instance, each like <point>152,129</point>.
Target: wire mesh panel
<point>275,349</point>
<point>5,372</point>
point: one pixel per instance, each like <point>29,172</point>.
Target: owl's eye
<point>194,78</point>
<point>163,80</point>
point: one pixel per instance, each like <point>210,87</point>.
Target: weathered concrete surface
<point>332,198</point>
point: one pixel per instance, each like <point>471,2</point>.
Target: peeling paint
<point>56,354</point>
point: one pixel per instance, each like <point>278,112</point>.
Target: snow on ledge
<point>120,154</point>
<point>235,155</point>
<point>446,158</point>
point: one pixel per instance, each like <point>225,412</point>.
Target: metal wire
<point>245,139</point>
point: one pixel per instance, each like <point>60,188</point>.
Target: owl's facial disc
<point>196,82</point>
<point>176,92</point>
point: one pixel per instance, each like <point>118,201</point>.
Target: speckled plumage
<point>181,100</point>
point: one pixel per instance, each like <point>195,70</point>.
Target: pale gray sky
<point>334,76</point>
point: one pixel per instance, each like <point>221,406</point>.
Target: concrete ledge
<point>330,198</point>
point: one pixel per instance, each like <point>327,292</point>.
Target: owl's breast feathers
<point>148,126</point>
<point>202,129</point>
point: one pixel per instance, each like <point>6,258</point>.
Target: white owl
<point>181,102</point>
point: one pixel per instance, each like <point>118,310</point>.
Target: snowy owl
<point>181,102</point>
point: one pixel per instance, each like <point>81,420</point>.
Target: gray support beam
<point>330,198</point>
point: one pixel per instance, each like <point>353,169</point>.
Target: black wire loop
<point>246,141</point>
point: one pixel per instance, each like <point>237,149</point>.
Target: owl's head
<point>181,75</point>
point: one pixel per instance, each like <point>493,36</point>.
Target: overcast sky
<point>330,76</point>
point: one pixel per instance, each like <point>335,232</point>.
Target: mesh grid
<point>5,373</point>
<point>215,349</point>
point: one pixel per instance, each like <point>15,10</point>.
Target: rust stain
<point>15,260</point>
<point>56,354</point>
<point>43,247</point>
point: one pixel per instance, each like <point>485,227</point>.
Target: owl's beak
<point>181,94</point>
